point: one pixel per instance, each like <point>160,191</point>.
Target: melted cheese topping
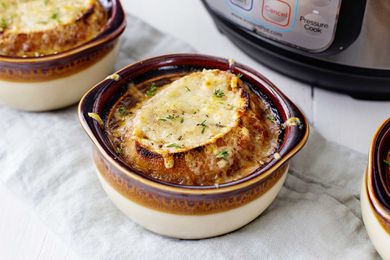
<point>26,16</point>
<point>190,112</point>
<point>203,128</point>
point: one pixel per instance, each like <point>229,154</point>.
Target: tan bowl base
<point>192,226</point>
<point>57,93</point>
<point>378,235</point>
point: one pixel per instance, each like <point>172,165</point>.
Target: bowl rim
<point>115,25</point>
<point>376,171</point>
<point>91,101</point>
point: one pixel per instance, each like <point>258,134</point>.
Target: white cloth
<point>45,158</point>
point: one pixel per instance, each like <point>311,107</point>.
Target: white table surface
<point>337,117</point>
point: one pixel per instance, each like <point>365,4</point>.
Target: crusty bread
<point>41,27</point>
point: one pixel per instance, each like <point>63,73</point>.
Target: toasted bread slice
<point>31,28</point>
<point>202,129</point>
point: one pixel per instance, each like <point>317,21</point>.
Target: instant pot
<point>340,45</point>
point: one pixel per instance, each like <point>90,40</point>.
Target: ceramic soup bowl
<point>375,192</point>
<point>183,211</point>
<point>59,80</point>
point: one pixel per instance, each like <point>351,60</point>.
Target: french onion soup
<point>195,128</point>
<point>33,28</point>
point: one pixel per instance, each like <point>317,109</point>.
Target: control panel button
<point>277,12</point>
<point>244,4</point>
<point>309,25</point>
<point>313,23</point>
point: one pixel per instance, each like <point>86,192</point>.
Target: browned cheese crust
<point>249,145</point>
<point>62,37</point>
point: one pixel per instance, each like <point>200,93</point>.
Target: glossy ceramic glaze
<point>180,211</point>
<point>59,80</point>
<point>375,192</point>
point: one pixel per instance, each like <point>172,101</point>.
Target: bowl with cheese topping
<point>375,191</point>
<point>53,51</point>
<point>191,146</point>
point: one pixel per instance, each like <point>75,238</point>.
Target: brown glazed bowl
<point>59,80</point>
<point>375,193</point>
<point>189,212</point>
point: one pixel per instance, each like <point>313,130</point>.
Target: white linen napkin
<point>45,158</point>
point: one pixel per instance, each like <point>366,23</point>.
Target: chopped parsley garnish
<point>386,162</point>
<point>203,125</point>
<point>219,125</point>
<point>188,89</point>
<point>4,5</point>
<point>223,154</point>
<point>152,91</point>
<point>230,106</point>
<point>56,16</point>
<point>122,111</point>
<point>4,23</point>
<point>219,93</point>
<point>271,118</point>
<point>46,2</point>
<point>119,150</point>
<point>174,145</point>
<point>171,117</point>
<point>239,75</point>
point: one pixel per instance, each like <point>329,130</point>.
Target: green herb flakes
<point>4,23</point>
<point>223,154</point>
<point>173,145</point>
<point>122,111</point>
<point>386,162</point>
<point>271,117</point>
<point>172,118</point>
<point>203,125</point>
<point>56,16</point>
<point>219,93</point>
<point>152,91</point>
